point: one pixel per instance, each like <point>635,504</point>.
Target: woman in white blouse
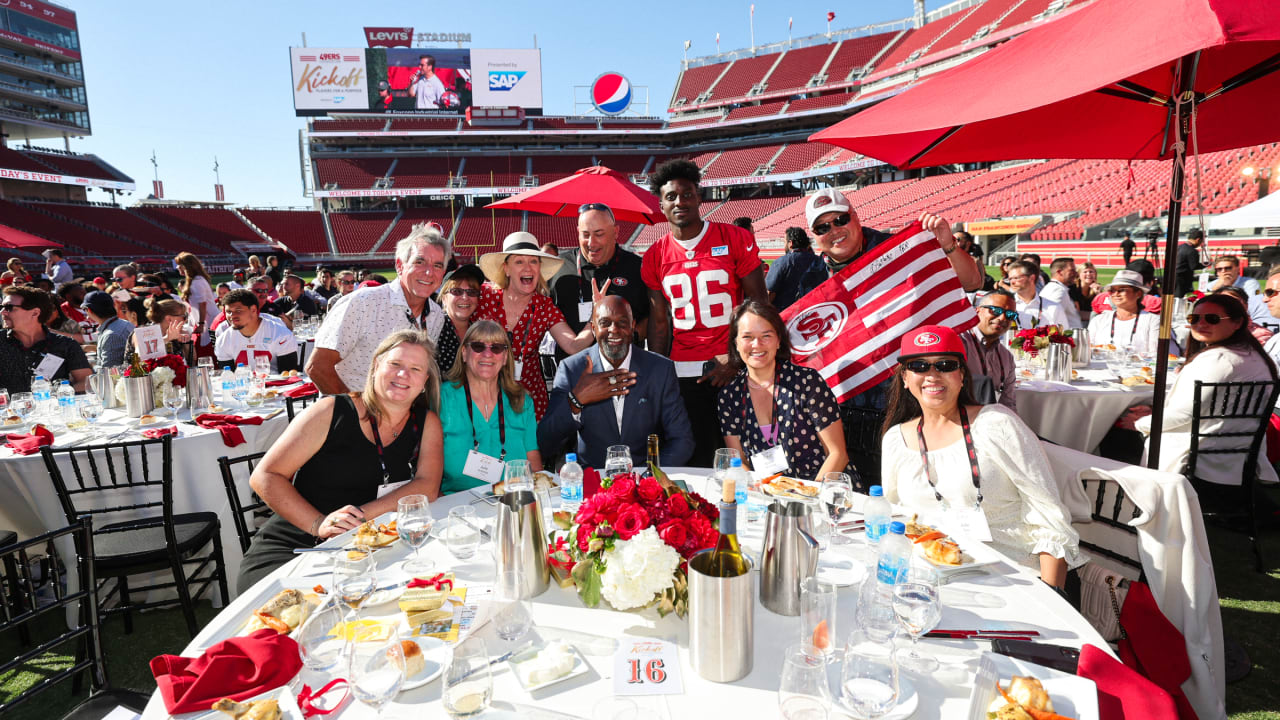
<point>977,456</point>
<point>1127,324</point>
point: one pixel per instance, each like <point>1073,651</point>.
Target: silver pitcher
<point>789,555</point>
<point>138,396</point>
<point>721,622</point>
<point>520,540</point>
<point>1057,363</point>
<point>199,389</point>
<point>1082,353</point>
<point>103,384</point>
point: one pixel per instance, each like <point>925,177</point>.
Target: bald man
<point>614,393</point>
<point>597,258</point>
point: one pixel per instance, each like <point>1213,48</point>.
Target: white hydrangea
<point>638,569</point>
<point>160,378</point>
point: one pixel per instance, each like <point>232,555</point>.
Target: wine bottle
<point>726,558</point>
<point>135,366</point>
<point>651,459</point>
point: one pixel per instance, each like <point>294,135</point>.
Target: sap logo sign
<point>504,81</point>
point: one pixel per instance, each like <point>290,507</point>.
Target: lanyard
<point>1132,332</point>
<point>773,412</point>
<point>969,449</point>
<point>502,422</point>
<point>377,443</point>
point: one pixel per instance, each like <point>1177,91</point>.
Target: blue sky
<point>195,80</point>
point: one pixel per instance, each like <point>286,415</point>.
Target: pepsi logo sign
<point>927,339</point>
<point>611,93</point>
<point>813,329</point>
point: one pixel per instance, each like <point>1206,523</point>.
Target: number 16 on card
<point>644,666</point>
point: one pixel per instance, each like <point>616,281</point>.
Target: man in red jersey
<point>696,275</point>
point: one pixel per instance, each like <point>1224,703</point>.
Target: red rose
<point>707,535</point>
<point>584,536</point>
<point>631,520</point>
<point>674,533</point>
<point>649,490</point>
<point>624,486</point>
<point>607,507</point>
<point>678,506</point>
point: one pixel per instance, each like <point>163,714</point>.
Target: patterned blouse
<point>805,407</point>
<point>539,316</point>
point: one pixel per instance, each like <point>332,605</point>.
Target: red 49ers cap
<point>931,340</point>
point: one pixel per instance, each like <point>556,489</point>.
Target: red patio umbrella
<point>1124,79</point>
<point>11,237</point>
<point>597,184</point>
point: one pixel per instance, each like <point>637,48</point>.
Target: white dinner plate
<point>974,554</point>
<point>1072,696</point>
<point>289,709</point>
<point>841,571</point>
<point>436,654</point>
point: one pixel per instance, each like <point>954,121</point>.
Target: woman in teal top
<point>473,420</point>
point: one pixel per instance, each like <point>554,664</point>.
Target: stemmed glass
<point>413,525</point>
<point>262,366</point>
<point>353,580</point>
<point>22,404</point>
<point>720,467</point>
<point>836,495</point>
<point>868,678</point>
<point>174,398</point>
<point>617,460</point>
<point>803,693</point>
<point>468,684</point>
<point>918,608</point>
<point>90,408</point>
<point>513,613</point>
<point>376,671</point>
<point>320,647</point>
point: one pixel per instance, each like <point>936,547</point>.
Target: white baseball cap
<point>822,202</point>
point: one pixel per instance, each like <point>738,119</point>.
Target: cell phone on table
<point>1058,657</point>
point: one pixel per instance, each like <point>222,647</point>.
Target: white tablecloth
<point>29,504</point>
<point>1023,601</point>
<point>1078,415</point>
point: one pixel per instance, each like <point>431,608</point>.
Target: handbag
<point>1102,594</point>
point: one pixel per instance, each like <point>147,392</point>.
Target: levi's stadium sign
<point>404,36</point>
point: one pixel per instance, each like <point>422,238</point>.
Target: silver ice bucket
<point>520,540</point>
<point>721,622</point>
<point>138,398</point>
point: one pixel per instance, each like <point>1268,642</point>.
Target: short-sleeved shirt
<point>793,275</point>
<point>18,364</point>
<point>366,317</point>
<point>458,427</point>
<point>272,339</point>
<point>806,406</point>
<point>702,281</point>
<point>572,284</point>
<point>539,316</point>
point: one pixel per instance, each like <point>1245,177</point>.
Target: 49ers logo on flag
<point>850,327</point>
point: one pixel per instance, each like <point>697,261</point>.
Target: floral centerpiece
<point>166,370</point>
<point>630,543</point>
<point>1032,340</point>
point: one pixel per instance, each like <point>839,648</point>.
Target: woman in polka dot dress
<point>773,402</point>
<point>516,298</point>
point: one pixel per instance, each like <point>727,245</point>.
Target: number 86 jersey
<point>702,281</point>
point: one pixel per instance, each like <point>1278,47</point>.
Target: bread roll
<point>414,662</point>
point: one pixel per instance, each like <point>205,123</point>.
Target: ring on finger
<point>613,379</point>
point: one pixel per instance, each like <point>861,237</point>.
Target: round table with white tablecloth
<point>1006,596</point>
<point>1077,415</point>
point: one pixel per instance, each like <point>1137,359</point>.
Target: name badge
<point>482,467</point>
<point>519,370</point>
<point>385,488</point>
<point>49,365</point>
<point>770,461</point>
<point>689,368</point>
<point>720,251</point>
<point>584,311</point>
<point>965,522</point>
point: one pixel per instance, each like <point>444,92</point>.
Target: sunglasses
<point>9,307</point>
<point>1210,318</point>
<point>469,292</point>
<point>585,207</point>
<point>840,221</point>
<point>346,282</point>
<point>259,291</point>
<point>922,366</point>
<point>495,348</point>
<point>1269,293</point>
<point>1224,268</point>
<point>998,311</point>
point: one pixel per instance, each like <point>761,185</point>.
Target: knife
<point>484,534</point>
<point>981,634</point>
<point>501,658</point>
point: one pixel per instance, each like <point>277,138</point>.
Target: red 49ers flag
<point>849,328</point>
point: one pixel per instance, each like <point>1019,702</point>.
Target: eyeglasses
<point>585,207</point>
<point>346,282</point>
<point>260,291</point>
<point>469,292</point>
<point>922,366</point>
<point>1269,293</point>
<point>1224,267</point>
<point>1210,318</point>
<point>998,311</point>
<point>840,221</point>
<point>495,348</point>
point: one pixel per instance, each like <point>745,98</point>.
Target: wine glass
<point>320,647</point>
<point>818,617</point>
<point>519,476</point>
<point>257,390</point>
<point>720,466</point>
<point>869,677</point>
<point>916,604</point>
<point>4,401</point>
<point>376,670</point>
<point>90,408</point>
<point>22,404</point>
<point>262,365</point>
<point>174,398</point>
<point>468,684</point>
<point>836,495</point>
<point>513,613</point>
<point>461,535</point>
<point>803,693</point>
<point>353,580</point>
<point>617,460</point>
<point>413,525</point>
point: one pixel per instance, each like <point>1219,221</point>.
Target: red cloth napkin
<point>590,482</point>
<point>24,444</point>
<point>226,424</point>
<point>283,382</point>
<point>238,668</point>
<point>303,390</point>
<point>1122,692</point>
<point>153,433</point>
<point>1154,646</point>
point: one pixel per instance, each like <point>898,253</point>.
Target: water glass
<point>875,616</point>
<point>836,495</point>
<point>262,366</point>
<point>918,608</point>
<point>4,401</point>
<point>322,649</point>
<point>413,525</point>
<point>22,404</point>
<point>353,579</point>
<point>512,612</point>
<point>820,525</point>
<point>376,670</point>
<point>519,476</point>
<point>257,390</point>
<point>868,678</point>
<point>462,536</point>
<point>720,467</point>
<point>90,408</point>
<point>803,693</point>
<point>205,362</point>
<point>617,460</point>
<point>175,398</point>
<point>468,685</point>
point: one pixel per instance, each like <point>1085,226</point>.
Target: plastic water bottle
<point>895,553</point>
<point>739,476</point>
<point>66,396</point>
<point>40,392</point>
<point>227,382</point>
<point>570,484</point>
<point>876,514</point>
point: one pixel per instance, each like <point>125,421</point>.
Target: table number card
<point>150,341</point>
<point>646,666</point>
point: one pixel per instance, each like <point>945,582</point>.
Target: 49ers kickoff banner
<point>850,327</point>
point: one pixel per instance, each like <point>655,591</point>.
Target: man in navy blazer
<point>613,393</point>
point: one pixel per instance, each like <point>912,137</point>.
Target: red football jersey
<point>703,286</point>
